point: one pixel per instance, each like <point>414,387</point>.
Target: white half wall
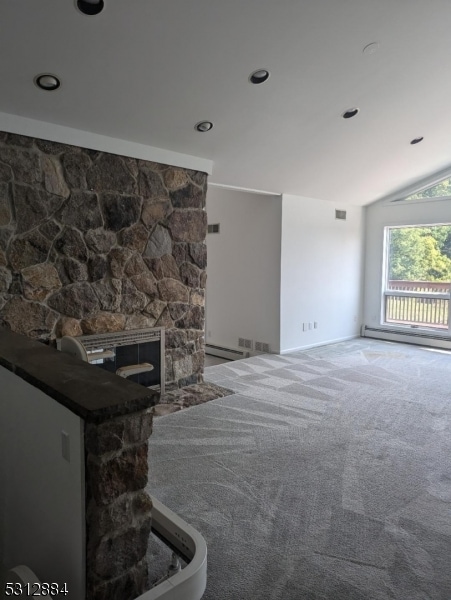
<point>321,272</point>
<point>383,214</point>
<point>42,520</point>
<point>243,271</point>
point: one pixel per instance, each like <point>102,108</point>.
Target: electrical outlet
<point>315,325</point>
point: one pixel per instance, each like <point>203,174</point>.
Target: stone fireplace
<point>92,242</point>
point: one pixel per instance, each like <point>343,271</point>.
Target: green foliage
<point>441,189</point>
<point>420,253</point>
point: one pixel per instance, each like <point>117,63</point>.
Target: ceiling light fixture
<point>371,48</point>
<point>259,76</point>
<point>351,112</point>
<point>203,126</point>
<point>417,140</point>
<point>47,82</point>
<point>90,7</point>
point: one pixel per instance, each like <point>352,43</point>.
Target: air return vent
<point>213,228</point>
<point>244,343</point>
<point>262,347</point>
<point>340,214</point>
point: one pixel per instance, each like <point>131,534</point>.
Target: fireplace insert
<point>137,354</point>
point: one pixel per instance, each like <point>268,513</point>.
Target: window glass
<point>436,191</point>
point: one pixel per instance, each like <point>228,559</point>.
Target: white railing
<point>418,303</point>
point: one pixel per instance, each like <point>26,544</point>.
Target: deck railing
<point>418,303</point>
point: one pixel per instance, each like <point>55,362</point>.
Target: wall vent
<point>262,347</point>
<point>214,228</point>
<point>340,214</point>
<point>244,343</point>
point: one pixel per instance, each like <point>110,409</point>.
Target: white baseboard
<point>325,343</point>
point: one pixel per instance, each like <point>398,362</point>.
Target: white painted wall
<point>378,216</point>
<point>279,262</point>
<point>42,523</point>
<point>243,283</point>
<point>321,272</point>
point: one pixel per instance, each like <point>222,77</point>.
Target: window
<point>418,276</point>
<point>438,190</point>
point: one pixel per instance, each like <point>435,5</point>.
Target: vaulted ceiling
<point>148,70</point>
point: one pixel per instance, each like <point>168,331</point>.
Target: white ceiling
<point>147,70</point>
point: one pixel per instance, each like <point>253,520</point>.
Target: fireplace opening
<point>137,354</point>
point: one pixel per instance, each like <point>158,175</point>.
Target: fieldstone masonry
<point>117,416</point>
<point>92,242</point>
<point>118,510</point>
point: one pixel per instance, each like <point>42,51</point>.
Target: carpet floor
<point>326,476</point>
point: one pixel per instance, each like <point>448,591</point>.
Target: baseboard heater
<point>230,353</point>
<point>420,338</point>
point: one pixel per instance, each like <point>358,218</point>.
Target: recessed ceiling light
<point>259,76</point>
<point>417,140</point>
<point>90,7</point>
<point>351,112</point>
<point>203,126</point>
<point>371,48</point>
<point>47,82</point>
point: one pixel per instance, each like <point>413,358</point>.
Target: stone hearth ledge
<point>92,394</point>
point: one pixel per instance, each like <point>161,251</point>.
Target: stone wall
<point>93,242</point>
<point>118,510</point>
<point>117,422</point>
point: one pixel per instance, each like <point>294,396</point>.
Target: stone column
<point>118,510</point>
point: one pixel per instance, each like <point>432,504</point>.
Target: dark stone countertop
<point>91,393</point>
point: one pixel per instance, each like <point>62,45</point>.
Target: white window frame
<point>385,292</point>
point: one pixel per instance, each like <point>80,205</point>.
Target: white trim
<point>243,189</point>
<point>327,343</point>
<point>427,295</point>
<point>419,225</point>
<point>94,141</point>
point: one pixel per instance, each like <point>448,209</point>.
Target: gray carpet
<point>327,476</point>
